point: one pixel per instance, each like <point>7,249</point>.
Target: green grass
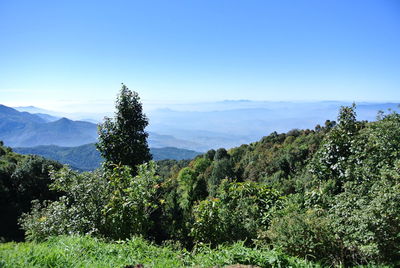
<point>75,251</point>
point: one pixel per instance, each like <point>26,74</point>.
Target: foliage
<point>357,183</point>
<point>122,139</point>
<point>191,187</point>
<point>278,159</point>
<point>180,194</point>
<point>112,204</point>
<point>329,195</point>
<point>367,219</point>
<point>75,251</point>
<point>239,211</point>
<point>168,168</point>
<point>132,201</point>
<point>222,168</point>
<point>331,160</point>
<point>78,211</point>
<point>22,179</point>
<point>376,148</point>
<point>305,233</point>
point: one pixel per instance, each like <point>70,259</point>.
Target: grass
<point>78,251</point>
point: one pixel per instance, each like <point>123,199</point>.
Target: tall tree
<point>123,139</point>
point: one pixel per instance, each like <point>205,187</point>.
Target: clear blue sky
<point>59,53</point>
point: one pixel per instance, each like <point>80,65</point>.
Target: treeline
<point>331,195</point>
<point>22,179</point>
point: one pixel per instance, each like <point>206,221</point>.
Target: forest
<point>328,196</point>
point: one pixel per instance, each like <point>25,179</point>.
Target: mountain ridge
<point>87,158</point>
<point>24,129</point>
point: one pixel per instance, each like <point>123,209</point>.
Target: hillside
<point>22,179</point>
<point>25,129</point>
<point>86,157</point>
<point>329,194</point>
<point>340,183</point>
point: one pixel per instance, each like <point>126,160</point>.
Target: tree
<point>331,162</point>
<point>122,139</point>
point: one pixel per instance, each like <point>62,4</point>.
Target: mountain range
<point>86,157</point>
<point>24,129</point>
<point>72,142</point>
<point>232,123</point>
<point>195,126</point>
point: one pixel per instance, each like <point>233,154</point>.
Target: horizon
<point>180,106</point>
<point>74,55</point>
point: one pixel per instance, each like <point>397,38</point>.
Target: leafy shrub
<point>367,219</point>
<point>112,204</point>
<point>78,211</point>
<point>238,212</point>
<point>221,169</point>
<point>132,201</point>
<point>332,159</point>
<point>376,147</point>
<point>304,233</point>
<point>22,179</point>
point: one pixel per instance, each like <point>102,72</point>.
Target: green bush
<point>367,219</point>
<point>78,211</point>
<point>331,161</point>
<point>22,179</point>
<point>239,211</point>
<point>132,201</point>
<point>112,204</point>
<point>306,234</point>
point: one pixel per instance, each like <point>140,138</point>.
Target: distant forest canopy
<point>329,194</point>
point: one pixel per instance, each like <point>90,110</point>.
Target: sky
<point>73,55</point>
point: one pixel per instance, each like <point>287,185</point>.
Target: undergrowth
<point>78,251</point>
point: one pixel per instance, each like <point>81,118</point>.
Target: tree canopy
<point>123,139</point>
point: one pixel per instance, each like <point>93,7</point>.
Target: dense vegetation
<point>329,195</point>
<point>22,179</point>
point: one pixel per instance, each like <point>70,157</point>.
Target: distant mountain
<point>10,115</point>
<point>20,129</point>
<point>86,157</point>
<point>172,153</point>
<point>33,110</point>
<point>47,117</point>
<point>198,126</point>
<point>156,140</point>
<point>231,123</point>
<point>23,129</point>
<point>91,117</point>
